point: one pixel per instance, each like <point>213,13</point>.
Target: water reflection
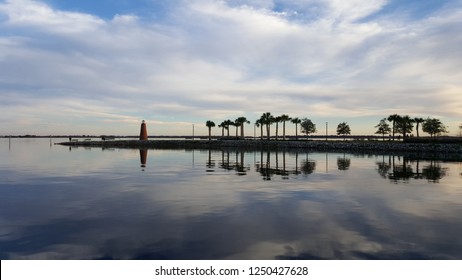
<point>281,205</point>
<point>284,164</point>
<point>143,158</point>
<point>404,169</point>
<point>343,163</point>
<point>232,162</point>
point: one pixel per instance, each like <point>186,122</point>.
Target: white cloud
<point>215,59</point>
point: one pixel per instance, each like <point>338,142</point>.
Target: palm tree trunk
<point>277,130</point>
<point>283,130</point>
<point>393,131</point>
<point>296,131</point>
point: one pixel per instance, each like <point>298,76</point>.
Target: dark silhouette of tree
<point>267,119</point>
<point>383,128</point>
<point>343,163</point>
<point>403,172</point>
<point>307,126</point>
<point>418,121</point>
<point>210,124</point>
<point>308,166</point>
<point>404,125</point>
<point>277,120</point>
<point>284,119</point>
<point>223,126</point>
<point>393,119</point>
<point>296,121</point>
<point>383,167</point>
<point>343,129</point>
<point>259,124</point>
<point>226,124</point>
<point>434,172</point>
<point>434,127</point>
<point>239,122</point>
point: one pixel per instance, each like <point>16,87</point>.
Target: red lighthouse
<point>143,132</point>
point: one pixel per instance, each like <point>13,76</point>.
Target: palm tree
<point>267,119</point>
<point>418,121</point>
<point>227,123</point>
<point>240,122</point>
<point>394,118</point>
<point>284,119</point>
<point>259,124</point>
<point>222,125</point>
<point>210,124</point>
<point>277,120</point>
<point>296,121</point>
<point>405,125</point>
<point>343,129</point>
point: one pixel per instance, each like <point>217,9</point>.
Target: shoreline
<point>348,146</point>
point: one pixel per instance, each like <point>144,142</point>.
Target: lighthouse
<point>143,131</point>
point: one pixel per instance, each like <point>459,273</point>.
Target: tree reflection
<point>401,168</point>
<point>210,163</point>
<point>308,167</point>
<point>383,167</point>
<point>270,164</point>
<point>343,163</point>
<point>237,165</point>
<point>434,172</point>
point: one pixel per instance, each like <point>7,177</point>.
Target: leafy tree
<point>296,121</point>
<point>210,124</point>
<point>222,125</point>
<point>418,121</point>
<point>284,119</point>
<point>404,125</point>
<point>383,128</point>
<point>343,129</point>
<point>434,127</point>
<point>394,118</point>
<point>307,126</point>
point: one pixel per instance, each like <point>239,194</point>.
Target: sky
<point>101,67</point>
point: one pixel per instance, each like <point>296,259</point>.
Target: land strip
<point>347,146</point>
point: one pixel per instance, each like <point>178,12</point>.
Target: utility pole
<point>326,130</point>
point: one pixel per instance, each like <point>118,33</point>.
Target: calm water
<point>61,203</point>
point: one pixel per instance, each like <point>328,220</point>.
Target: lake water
<point>58,202</point>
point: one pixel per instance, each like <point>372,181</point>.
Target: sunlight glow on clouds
<point>328,60</point>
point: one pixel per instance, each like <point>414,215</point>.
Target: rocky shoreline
<point>345,146</point>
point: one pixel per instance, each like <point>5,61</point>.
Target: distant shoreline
<point>349,146</point>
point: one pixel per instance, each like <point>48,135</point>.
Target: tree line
<point>403,125</point>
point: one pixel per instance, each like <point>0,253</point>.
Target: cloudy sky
<point>100,67</point>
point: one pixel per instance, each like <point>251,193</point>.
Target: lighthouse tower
<point>143,131</point>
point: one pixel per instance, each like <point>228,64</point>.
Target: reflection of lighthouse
<point>143,157</point>
<point>143,132</point>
